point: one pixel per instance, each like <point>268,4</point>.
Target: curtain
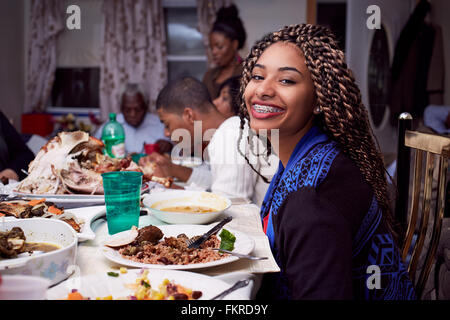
<point>47,21</point>
<point>206,12</point>
<point>134,50</point>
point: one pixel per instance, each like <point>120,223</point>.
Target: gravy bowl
<point>186,207</point>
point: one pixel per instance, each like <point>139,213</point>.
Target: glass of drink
<point>122,199</point>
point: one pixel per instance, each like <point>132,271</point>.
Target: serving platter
<point>85,215</point>
<point>101,285</point>
<point>244,244</point>
<point>76,200</point>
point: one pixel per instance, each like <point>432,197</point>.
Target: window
<point>76,86</point>
<point>77,77</point>
<point>186,52</point>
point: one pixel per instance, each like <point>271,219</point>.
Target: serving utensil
<point>10,197</point>
<point>240,255</point>
<point>198,241</point>
<point>237,285</point>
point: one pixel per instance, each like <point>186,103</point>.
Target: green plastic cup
<point>122,199</point>
<point>136,156</point>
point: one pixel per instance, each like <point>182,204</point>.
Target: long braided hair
<point>343,116</point>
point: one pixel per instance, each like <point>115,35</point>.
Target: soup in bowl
<point>186,207</point>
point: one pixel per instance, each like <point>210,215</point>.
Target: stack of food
<point>72,163</point>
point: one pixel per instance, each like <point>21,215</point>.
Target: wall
<point>12,57</point>
<point>394,15</point>
<point>264,16</point>
<point>440,10</point>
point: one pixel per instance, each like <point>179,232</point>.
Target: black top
<point>327,231</point>
<point>14,153</point>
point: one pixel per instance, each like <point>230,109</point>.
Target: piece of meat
<point>151,234</point>
<point>11,242</point>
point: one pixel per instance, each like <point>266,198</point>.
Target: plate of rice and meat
<point>165,247</point>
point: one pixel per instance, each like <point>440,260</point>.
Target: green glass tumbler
<point>122,199</point>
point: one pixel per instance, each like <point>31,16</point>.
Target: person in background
<point>15,156</point>
<point>140,126</point>
<point>326,212</point>
<point>179,105</point>
<point>226,102</point>
<point>227,36</point>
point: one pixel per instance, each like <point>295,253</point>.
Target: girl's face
<point>223,49</point>
<point>223,102</point>
<point>280,94</point>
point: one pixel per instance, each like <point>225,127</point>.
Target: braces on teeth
<point>265,109</point>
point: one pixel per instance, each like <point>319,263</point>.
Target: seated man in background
<point>179,105</point>
<point>139,125</point>
<point>14,153</point>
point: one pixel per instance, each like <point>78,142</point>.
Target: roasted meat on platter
<point>72,163</point>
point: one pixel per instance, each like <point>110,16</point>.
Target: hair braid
<point>344,117</point>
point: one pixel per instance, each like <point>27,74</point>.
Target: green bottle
<point>113,137</point>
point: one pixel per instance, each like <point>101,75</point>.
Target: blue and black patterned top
<point>326,230</point>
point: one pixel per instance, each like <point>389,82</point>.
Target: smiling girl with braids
<point>326,211</point>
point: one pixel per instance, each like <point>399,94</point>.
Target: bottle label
<point>118,150</point>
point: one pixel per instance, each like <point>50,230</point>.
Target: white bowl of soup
<point>49,250</point>
<point>186,207</point>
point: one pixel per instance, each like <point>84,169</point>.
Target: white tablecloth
<point>245,218</point>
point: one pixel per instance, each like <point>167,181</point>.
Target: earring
<point>318,109</point>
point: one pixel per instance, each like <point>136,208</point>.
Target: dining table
<point>245,218</point>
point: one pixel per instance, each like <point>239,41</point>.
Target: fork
<point>240,255</point>
<point>195,242</point>
<point>237,285</point>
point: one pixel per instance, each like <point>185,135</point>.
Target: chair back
<point>435,151</point>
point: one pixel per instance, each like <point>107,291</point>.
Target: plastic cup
<point>136,156</point>
<point>23,287</point>
<point>122,199</point>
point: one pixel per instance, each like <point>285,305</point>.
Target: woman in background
<point>227,36</point>
<point>326,212</point>
<point>227,100</point>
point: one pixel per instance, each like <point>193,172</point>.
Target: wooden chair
<point>434,149</point>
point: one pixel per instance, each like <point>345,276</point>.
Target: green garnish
<point>145,284</point>
<point>227,240</point>
<point>112,274</point>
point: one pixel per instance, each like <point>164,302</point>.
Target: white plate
<point>86,215</point>
<point>155,201</point>
<point>244,244</point>
<point>102,285</point>
<point>68,199</point>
